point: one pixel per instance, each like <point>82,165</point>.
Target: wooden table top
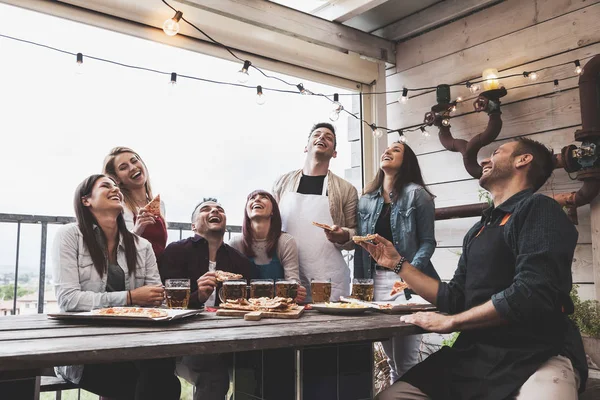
<point>35,341</point>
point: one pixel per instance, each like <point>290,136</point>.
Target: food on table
<point>223,276</point>
<point>132,312</point>
<point>398,287</point>
<point>154,206</point>
<point>344,305</point>
<point>366,238</point>
<point>322,226</point>
<point>277,304</point>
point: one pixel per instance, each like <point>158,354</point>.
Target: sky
<point>58,120</point>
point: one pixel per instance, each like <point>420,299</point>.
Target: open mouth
<point>257,206</point>
<point>136,175</point>
<point>386,158</point>
<point>115,197</point>
<point>214,219</point>
<point>485,170</point>
<point>321,144</point>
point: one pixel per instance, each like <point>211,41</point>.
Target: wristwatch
<point>398,266</point>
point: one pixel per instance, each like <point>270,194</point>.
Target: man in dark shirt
<point>509,296</point>
<point>197,258</point>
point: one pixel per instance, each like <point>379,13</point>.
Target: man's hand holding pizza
<point>206,285</point>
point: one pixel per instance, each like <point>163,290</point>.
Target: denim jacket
<point>412,220</point>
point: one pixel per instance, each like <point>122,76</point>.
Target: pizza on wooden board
<point>154,206</point>
<point>223,276</point>
<point>132,312</point>
<point>278,304</point>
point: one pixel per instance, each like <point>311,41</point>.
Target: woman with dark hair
<point>273,252</point>
<point>397,206</point>
<point>99,263</point>
<point>128,169</point>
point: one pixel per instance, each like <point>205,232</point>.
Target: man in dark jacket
<point>197,258</point>
<point>509,297</point>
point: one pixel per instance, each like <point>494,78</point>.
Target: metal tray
<point>397,308</point>
<point>93,316</point>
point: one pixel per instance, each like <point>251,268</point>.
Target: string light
<point>79,68</point>
<point>260,97</point>
<point>532,75</point>
<point>302,90</point>
<point>473,87</point>
<point>578,68</point>
<point>459,99</point>
<point>402,138</point>
<point>337,108</point>
<point>556,88</point>
<point>171,26</point>
<point>173,78</point>
<point>424,132</point>
<point>404,98</point>
<point>377,132</point>
<point>242,75</point>
<point>446,122</point>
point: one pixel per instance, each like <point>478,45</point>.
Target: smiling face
<point>499,167</point>
<point>321,144</point>
<point>209,219</point>
<point>259,206</point>
<point>105,196</point>
<point>392,157</point>
<point>130,170</point>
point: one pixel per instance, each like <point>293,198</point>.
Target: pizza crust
<point>133,312</point>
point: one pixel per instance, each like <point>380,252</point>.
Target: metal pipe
<point>462,211</point>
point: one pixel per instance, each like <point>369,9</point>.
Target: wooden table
<point>28,343</point>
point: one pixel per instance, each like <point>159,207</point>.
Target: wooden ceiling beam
<point>344,10</point>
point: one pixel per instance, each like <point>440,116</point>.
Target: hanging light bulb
<point>556,88</point>
<point>490,79</point>
<point>453,108</point>
<point>578,68</point>
<point>404,98</point>
<point>260,97</point>
<point>458,99</point>
<point>242,75</point>
<point>171,26</point>
<point>446,122</point>
<point>302,90</point>
<point>172,84</point>
<point>402,138</point>
<point>424,132</point>
<point>531,75</point>
<point>473,87</point>
<point>377,132</point>
<point>79,68</point>
<point>337,108</point>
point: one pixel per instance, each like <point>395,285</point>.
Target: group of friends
<point>509,296</point>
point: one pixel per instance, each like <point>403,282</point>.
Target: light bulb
<point>79,68</point>
<point>533,76</point>
<point>402,138</point>
<point>474,88</point>
<point>334,116</point>
<point>556,87</point>
<point>490,79</point>
<point>260,97</point>
<point>242,75</point>
<point>458,99</point>
<point>171,26</point>
<point>453,108</point>
<point>424,132</point>
<point>377,133</point>
<point>404,98</point>
<point>446,122</point>
<point>578,68</point>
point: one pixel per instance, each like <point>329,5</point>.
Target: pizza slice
<point>133,312</point>
<point>154,206</point>
<point>223,276</point>
<point>399,287</point>
<point>322,226</point>
<point>366,238</point>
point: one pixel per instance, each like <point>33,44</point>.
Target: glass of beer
<point>233,289</point>
<point>262,288</point>
<point>177,292</point>
<point>362,289</point>
<point>320,290</point>
<point>287,288</point>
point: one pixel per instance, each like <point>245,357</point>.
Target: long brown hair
<point>86,222</point>
<point>409,172</point>
<point>111,169</point>
<point>274,229</point>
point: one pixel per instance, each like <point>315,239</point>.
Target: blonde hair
<point>110,169</point>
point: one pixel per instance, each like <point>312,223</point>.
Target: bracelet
<point>398,266</point>
<point>130,302</point>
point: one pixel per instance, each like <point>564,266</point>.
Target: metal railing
<point>44,220</point>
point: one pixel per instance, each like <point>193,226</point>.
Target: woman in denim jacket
<point>99,263</point>
<point>397,206</point>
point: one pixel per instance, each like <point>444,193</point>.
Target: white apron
<point>318,257</point>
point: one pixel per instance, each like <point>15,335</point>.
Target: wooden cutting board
<point>257,315</point>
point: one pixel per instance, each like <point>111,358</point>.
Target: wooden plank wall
<point>512,36</point>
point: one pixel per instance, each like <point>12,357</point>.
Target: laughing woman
<point>99,263</point>
<point>397,206</point>
<point>129,170</point>
<point>273,252</point>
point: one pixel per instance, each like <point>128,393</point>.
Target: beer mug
<point>287,288</point>
<point>362,289</point>
<point>177,292</point>
<point>320,290</point>
<point>262,288</point>
<point>233,289</point>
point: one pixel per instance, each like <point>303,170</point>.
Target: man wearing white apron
<point>315,194</point>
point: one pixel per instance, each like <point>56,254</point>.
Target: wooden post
<point>595,226</point>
